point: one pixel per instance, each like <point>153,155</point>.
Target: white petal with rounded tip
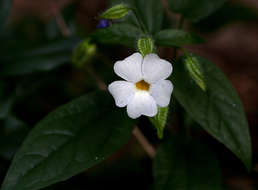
<point>130,68</point>
<point>155,69</point>
<point>161,92</point>
<point>142,104</point>
<point>122,91</point>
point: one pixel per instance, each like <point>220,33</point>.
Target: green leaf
<point>124,34</point>
<point>116,12</point>
<point>195,10</point>
<point>145,46</point>
<point>173,37</point>
<point>159,121</point>
<point>39,59</point>
<point>68,141</point>
<point>218,110</point>
<point>185,166</point>
<point>151,13</point>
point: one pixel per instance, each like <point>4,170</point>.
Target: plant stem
<point>149,149</point>
<point>62,25</point>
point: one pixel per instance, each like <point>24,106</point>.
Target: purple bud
<point>104,23</point>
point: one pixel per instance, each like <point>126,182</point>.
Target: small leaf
<point>195,10</point>
<point>182,165</point>
<point>218,110</point>
<point>124,34</point>
<point>195,71</point>
<point>159,121</point>
<point>115,12</point>
<point>173,37</point>
<point>68,141</point>
<point>145,46</point>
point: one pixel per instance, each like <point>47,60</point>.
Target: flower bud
<point>104,23</point>
<point>145,45</point>
<point>115,12</point>
<point>83,52</point>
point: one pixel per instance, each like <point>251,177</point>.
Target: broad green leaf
<point>173,37</point>
<point>160,120</point>
<point>195,10</point>
<point>185,166</point>
<point>218,110</point>
<point>151,13</point>
<point>124,34</point>
<point>116,12</point>
<point>43,58</point>
<point>68,141</point>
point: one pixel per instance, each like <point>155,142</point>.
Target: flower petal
<point>155,69</point>
<point>142,104</point>
<point>161,92</point>
<point>130,68</point>
<point>122,92</point>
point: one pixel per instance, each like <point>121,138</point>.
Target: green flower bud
<point>115,12</point>
<point>195,71</point>
<point>83,53</point>
<point>145,45</point>
<point>159,121</point>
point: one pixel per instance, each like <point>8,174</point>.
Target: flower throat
<point>142,85</point>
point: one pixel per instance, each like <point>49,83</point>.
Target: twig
<point>149,149</point>
<point>100,83</point>
<point>62,25</point>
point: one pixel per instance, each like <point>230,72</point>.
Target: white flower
<point>145,87</point>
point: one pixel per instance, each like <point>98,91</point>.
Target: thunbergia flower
<point>145,87</point>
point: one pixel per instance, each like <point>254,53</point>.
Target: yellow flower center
<point>142,85</point>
